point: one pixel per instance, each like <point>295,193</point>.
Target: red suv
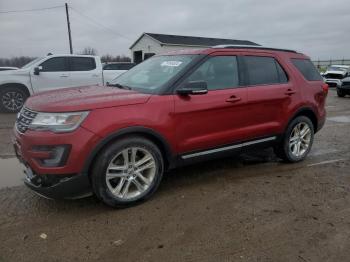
<point>117,141</point>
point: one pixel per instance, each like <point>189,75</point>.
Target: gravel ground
<point>247,208</point>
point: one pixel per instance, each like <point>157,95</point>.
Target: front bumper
<point>345,87</point>
<point>333,82</point>
<point>60,182</point>
<point>68,187</point>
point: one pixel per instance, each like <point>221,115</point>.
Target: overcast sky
<point>321,28</point>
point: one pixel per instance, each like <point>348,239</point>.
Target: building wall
<point>149,45</point>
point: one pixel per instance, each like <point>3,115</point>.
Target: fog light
<point>56,156</point>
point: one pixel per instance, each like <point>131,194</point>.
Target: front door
<point>217,118</point>
<point>54,74</point>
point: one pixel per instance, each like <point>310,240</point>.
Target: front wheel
<point>127,172</point>
<point>297,141</point>
<point>12,99</point>
<point>340,93</point>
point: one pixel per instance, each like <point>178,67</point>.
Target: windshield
<point>153,73</point>
<point>336,68</point>
<point>32,62</point>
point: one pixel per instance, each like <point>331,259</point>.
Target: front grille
<point>24,119</point>
<point>334,76</point>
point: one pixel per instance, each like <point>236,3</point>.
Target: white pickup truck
<point>49,73</point>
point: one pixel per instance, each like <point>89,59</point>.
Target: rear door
<point>53,75</point>
<point>217,118</point>
<point>271,94</point>
<point>84,71</point>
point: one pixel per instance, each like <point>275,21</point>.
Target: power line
<point>31,10</point>
<point>96,23</point>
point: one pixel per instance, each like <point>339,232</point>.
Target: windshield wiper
<point>120,86</point>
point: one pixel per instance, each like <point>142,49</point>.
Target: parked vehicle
<point>344,88</point>
<point>335,73</point>
<point>49,73</point>
<point>113,70</point>
<point>6,68</point>
<point>168,111</point>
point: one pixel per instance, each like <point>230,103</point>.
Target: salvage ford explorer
<point>117,141</point>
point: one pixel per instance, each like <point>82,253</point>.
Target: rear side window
<point>263,70</point>
<point>82,63</point>
<point>307,68</point>
<point>55,64</point>
<point>125,66</point>
<point>218,72</point>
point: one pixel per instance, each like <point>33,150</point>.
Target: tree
<point>88,51</point>
<point>119,58</point>
<point>17,61</point>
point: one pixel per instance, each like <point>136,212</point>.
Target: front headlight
<point>58,122</point>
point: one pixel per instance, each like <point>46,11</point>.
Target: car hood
<point>84,98</point>
<point>14,72</point>
<point>335,72</point>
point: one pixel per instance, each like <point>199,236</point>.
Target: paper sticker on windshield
<point>171,63</point>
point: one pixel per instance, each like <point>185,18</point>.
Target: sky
<point>320,29</point>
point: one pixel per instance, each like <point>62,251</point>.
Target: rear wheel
<point>297,140</point>
<point>12,99</point>
<point>127,172</point>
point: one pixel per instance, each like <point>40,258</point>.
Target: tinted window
<point>55,64</point>
<point>218,72</point>
<point>125,66</point>
<point>307,68</point>
<point>283,78</point>
<point>82,63</point>
<point>263,70</point>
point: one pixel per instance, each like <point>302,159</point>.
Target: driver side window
<point>219,72</point>
<point>55,64</point>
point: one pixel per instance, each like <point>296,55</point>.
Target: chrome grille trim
<point>24,119</point>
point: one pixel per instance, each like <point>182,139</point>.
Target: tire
<point>340,93</point>
<point>287,149</point>
<point>111,188</point>
<point>12,99</point>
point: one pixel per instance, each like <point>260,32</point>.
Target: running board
<point>225,148</point>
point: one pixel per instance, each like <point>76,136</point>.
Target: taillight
<point>325,88</point>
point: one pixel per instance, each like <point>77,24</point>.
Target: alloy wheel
<point>13,100</point>
<point>300,139</point>
<point>130,173</point>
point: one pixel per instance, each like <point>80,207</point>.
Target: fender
<point>307,111</point>
<point>159,140</point>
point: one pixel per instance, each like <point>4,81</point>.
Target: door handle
<point>290,92</point>
<point>63,75</point>
<point>233,99</point>
<point>95,75</point>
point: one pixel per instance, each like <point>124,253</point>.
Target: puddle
<point>11,172</point>
<point>340,119</point>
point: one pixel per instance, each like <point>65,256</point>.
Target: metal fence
<point>323,64</point>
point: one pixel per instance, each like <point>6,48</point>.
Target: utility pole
<point>69,33</point>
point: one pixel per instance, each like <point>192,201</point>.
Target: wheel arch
<point>308,112</point>
<point>19,85</point>
<point>145,132</point>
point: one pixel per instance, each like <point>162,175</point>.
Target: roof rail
<point>254,47</point>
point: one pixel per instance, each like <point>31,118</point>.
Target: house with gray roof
<point>149,44</point>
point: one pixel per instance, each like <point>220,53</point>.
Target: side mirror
<point>37,70</point>
<point>193,88</point>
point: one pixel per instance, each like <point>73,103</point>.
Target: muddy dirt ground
<point>247,208</point>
